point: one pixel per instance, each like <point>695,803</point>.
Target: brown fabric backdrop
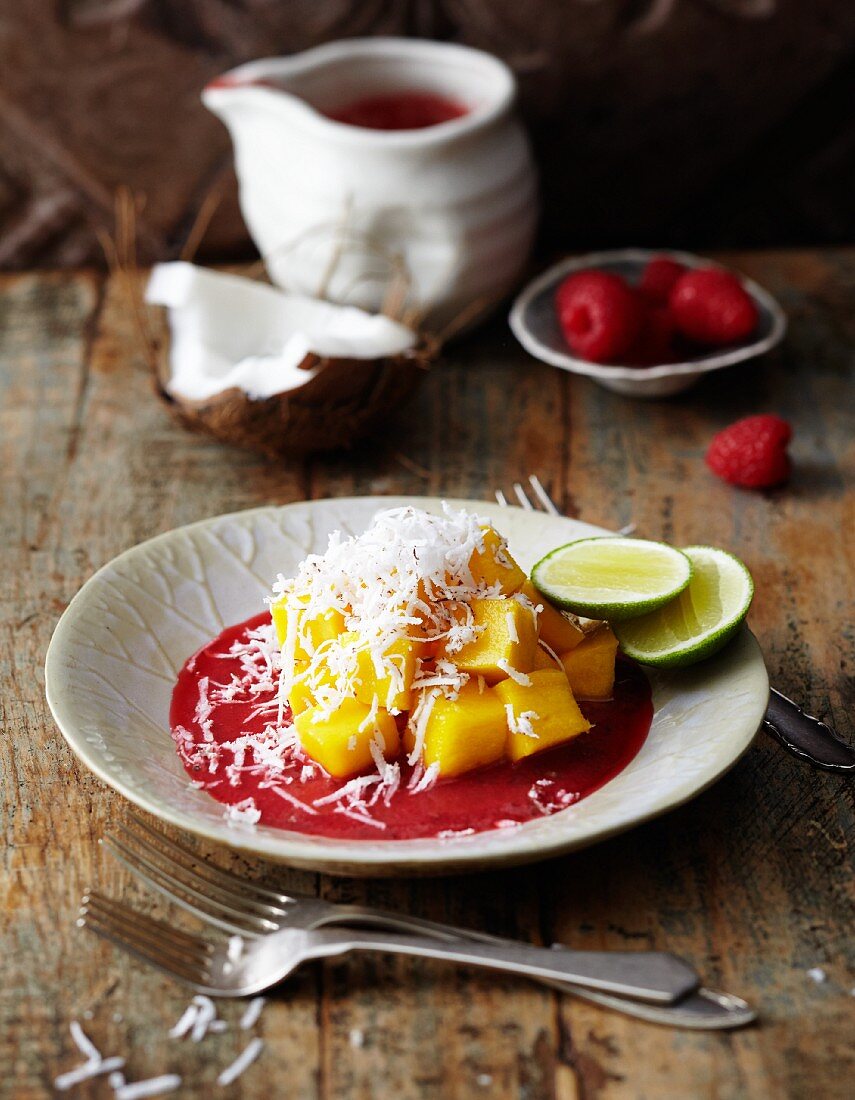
<point>692,122</point>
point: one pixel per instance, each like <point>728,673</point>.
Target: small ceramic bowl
<point>535,324</point>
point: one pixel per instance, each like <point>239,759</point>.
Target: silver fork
<point>219,970</point>
<point>802,735</point>
<point>234,905</point>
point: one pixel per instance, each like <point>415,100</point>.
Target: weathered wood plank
<point>752,880</point>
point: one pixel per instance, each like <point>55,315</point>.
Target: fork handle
<point>655,976</point>
<point>807,737</point>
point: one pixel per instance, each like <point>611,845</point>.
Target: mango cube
<point>304,692</point>
<point>553,627</point>
<point>392,689</point>
<point>494,565</point>
<point>508,639</point>
<point>322,628</point>
<point>590,667</point>
<point>463,733</point>
<point>546,707</point>
<point>542,660</point>
<point>341,743</point>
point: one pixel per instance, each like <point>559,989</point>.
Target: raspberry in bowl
<point>645,323</point>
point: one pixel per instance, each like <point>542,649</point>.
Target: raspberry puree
<point>398,111</point>
<point>216,700</point>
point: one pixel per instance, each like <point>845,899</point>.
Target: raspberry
<point>752,452</point>
<point>659,277</point>
<point>712,307</point>
<point>656,342</point>
<point>599,314</point>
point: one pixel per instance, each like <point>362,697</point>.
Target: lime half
<point>612,578</point>
<point>700,620</point>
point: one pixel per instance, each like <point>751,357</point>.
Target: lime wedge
<point>700,620</point>
<point>612,578</point>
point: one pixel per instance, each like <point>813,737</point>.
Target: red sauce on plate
<point>398,111</point>
<point>501,796</point>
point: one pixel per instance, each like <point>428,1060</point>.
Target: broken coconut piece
<point>231,332</point>
<point>253,365</point>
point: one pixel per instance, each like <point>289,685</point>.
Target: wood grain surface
<point>753,880</point>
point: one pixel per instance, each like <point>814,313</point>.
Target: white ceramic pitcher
<point>332,206</point>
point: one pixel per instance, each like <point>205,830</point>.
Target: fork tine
<point>208,908</point>
<point>110,920</point>
<point>215,875</point>
<point>542,495</point>
<point>522,498</point>
<point>501,498</point>
<point>174,940</point>
<point>231,891</point>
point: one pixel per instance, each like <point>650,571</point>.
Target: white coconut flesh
<point>234,333</point>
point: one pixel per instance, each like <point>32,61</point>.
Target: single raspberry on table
<point>752,452</point>
<point>659,277</point>
<point>599,315</point>
<point>712,307</point>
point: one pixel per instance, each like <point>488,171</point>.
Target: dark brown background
<point>692,122</point>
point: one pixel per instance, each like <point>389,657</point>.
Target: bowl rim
<point>616,372</point>
<point>422,856</point>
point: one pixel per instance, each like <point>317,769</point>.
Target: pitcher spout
<point>250,89</point>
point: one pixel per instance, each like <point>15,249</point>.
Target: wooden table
<point>753,880</point>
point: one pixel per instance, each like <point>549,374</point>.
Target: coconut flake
<point>153,1086</point>
<point>243,1061</point>
<point>521,723</point>
<point>252,1013</point>
<point>243,813</point>
<point>518,677</point>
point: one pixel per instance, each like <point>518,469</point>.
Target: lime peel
<point>700,621</point>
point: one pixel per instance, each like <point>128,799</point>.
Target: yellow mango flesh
<point>465,733</point>
<point>339,745</point>
<point>494,565</point>
<point>304,689</point>
<point>509,636</point>
<point>542,660</point>
<point>322,628</point>
<point>556,716</point>
<point>392,692</point>
<point>552,627</point>
<point>590,667</point>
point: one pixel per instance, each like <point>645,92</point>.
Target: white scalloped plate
<point>114,656</point>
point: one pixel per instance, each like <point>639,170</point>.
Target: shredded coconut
<point>243,813</point>
<point>94,1066</point>
<point>86,1072</point>
<point>521,723</point>
<point>252,1013</point>
<point>518,677</point>
<point>154,1086</point>
<point>200,1016</point>
<point>243,1061</point>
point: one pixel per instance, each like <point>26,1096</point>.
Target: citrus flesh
<point>700,620</point>
<point>612,578</point>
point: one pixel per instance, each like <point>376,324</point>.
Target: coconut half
<point>256,366</point>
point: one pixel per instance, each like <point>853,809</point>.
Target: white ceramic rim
<point>600,371</point>
<point>445,53</point>
<point>421,856</point>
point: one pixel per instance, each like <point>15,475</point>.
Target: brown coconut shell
<point>344,402</point>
